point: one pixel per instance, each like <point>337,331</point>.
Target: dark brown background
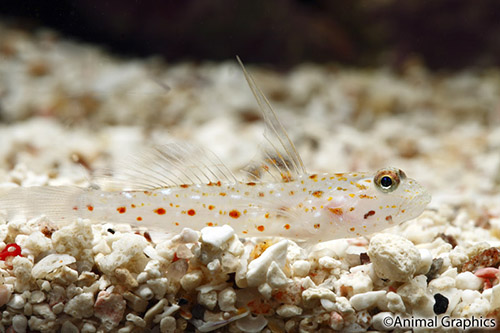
<point>442,34</point>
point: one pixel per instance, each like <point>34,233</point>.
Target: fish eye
<point>387,180</point>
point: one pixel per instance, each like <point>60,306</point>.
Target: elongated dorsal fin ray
<point>279,157</point>
<point>173,164</point>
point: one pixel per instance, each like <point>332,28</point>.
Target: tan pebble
<point>290,326</point>
<point>37,296</point>
<point>189,236</point>
<point>142,277</point>
<point>344,306</point>
<point>301,268</point>
<point>265,290</point>
<point>275,276</point>
<point>50,263</point>
<point>45,286</point>
<point>80,306</point>
<point>28,309</point>
<point>22,270</point>
<point>208,300</point>
<point>395,303</point>
<point>64,240</point>
<point>16,302</point>
<point>167,325</point>
<point>364,319</point>
<point>227,299</point>
<point>5,293</point>
<point>40,324</point>
<point>310,295</point>
<point>468,280</point>
<point>257,269</point>
<point>44,311</point>
<point>144,292</point>
<point>109,308</point>
<point>19,323</point>
<point>124,277</point>
<point>135,302</point>
<point>158,286</point>
<point>191,280</point>
<point>394,257</point>
<point>88,328</point>
<point>69,327</point>
<point>216,236</point>
<point>37,243</point>
<point>367,300</point>
<point>288,311</point>
<point>154,310</point>
<point>138,321</point>
<point>58,308</point>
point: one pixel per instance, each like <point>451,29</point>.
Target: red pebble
<point>10,250</point>
<point>488,273</point>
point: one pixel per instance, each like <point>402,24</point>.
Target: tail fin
<point>55,202</point>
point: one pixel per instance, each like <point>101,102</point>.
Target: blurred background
<point>441,34</point>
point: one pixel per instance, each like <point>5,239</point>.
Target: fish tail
<point>55,202</point>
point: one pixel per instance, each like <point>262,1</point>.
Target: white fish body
<point>179,185</point>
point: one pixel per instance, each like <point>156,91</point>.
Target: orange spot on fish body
<point>251,184</point>
<point>370,213</point>
<point>90,207</point>
<point>184,185</point>
<point>177,223</point>
<point>287,226</point>
<point>222,194</point>
<point>211,207</point>
<point>317,194</point>
<point>314,176</point>
<point>336,211</point>
<point>286,177</point>
<point>75,208</point>
<point>191,212</point>
<point>261,194</point>
<point>364,196</point>
<point>267,215</point>
<point>160,211</point>
<point>121,210</point>
<point>139,218</point>
<point>316,226</point>
<point>352,229</point>
<point>234,214</point>
<point>132,205</point>
<point>210,224</point>
<point>361,187</point>
<point>260,228</point>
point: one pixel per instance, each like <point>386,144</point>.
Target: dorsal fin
<point>173,164</point>
<point>279,157</point>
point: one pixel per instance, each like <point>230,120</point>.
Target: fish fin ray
<point>279,156</point>
<point>170,165</point>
